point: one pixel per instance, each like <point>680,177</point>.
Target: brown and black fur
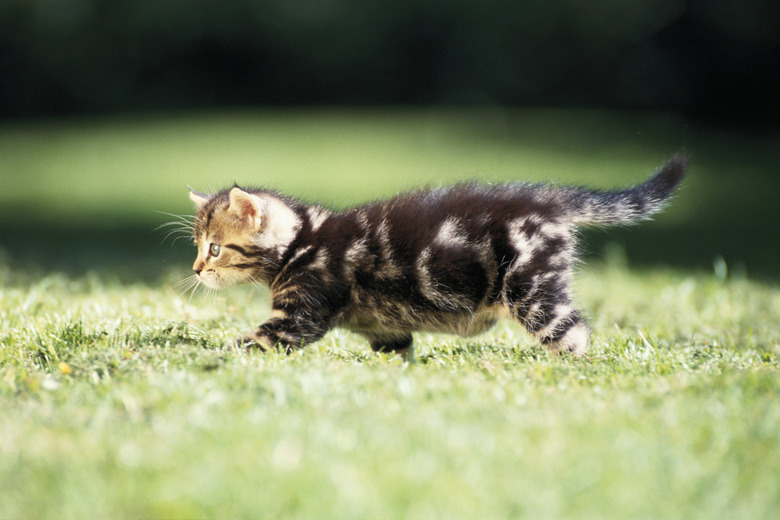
<point>443,260</point>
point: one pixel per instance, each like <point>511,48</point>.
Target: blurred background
<point>109,108</point>
<point>714,59</point>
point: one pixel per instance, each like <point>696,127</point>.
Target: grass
<point>123,401</point>
<point>119,397</point>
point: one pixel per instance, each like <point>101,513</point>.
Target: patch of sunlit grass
<point>124,400</point>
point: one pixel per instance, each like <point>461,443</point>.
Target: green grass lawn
<point>120,399</point>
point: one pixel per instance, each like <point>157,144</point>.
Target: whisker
<point>257,283</point>
<point>195,288</point>
<point>181,230</point>
<point>189,285</point>
<point>186,282</point>
<point>210,296</point>
<point>181,222</point>
<point>184,218</point>
<point>177,234</point>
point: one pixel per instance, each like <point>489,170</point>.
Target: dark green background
<point>714,59</point>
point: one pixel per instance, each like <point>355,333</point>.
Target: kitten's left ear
<point>200,199</point>
<point>248,207</point>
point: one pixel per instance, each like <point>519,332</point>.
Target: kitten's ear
<point>199,199</point>
<point>248,207</point>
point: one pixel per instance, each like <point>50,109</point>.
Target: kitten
<point>449,259</point>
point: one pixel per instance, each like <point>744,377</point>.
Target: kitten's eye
<point>214,249</point>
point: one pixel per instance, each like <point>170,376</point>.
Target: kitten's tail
<point>632,204</point>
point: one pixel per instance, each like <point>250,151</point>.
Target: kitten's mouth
<point>210,280</point>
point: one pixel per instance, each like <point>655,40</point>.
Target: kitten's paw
<point>255,341</point>
<point>252,342</point>
<point>575,342</point>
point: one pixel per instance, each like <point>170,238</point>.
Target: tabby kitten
<point>449,259</point>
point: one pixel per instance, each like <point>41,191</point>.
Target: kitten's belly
<point>394,317</point>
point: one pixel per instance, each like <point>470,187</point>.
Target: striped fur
<point>448,260</point>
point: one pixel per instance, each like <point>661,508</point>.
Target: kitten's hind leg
<point>390,343</point>
<point>571,335</point>
<point>546,310</point>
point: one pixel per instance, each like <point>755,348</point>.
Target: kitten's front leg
<point>286,332</point>
<point>303,308</point>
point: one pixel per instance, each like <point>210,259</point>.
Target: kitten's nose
<point>197,267</point>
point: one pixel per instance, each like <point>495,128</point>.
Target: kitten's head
<point>241,236</point>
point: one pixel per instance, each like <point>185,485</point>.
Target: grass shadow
<point>127,252</point>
